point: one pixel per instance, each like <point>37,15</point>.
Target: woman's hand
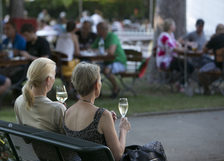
<point>125,124</point>
<point>114,115</point>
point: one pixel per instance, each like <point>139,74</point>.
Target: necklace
<point>86,101</point>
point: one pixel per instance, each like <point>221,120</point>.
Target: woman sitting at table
<point>68,44</point>
<point>87,121</point>
<point>168,49</point>
<point>34,108</point>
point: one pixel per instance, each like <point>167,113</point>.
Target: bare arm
<point>111,49</point>
<point>116,145</point>
<point>28,56</point>
<point>76,44</point>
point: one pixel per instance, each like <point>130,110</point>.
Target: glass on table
<point>61,93</point>
<point>123,106</point>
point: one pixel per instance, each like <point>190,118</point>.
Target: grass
<point>150,98</point>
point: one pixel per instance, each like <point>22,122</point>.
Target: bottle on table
<point>101,47</point>
<point>10,50</point>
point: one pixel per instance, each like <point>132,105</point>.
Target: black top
<point>38,48</point>
<point>216,42</point>
<point>85,43</point>
<point>89,133</point>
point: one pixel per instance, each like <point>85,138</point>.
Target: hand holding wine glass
<point>61,93</point>
<point>123,106</point>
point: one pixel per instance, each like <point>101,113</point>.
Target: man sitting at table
<point>13,39</point>
<point>112,46</point>
<point>195,40</point>
<point>36,46</point>
<point>15,43</point>
<point>216,42</point>
<point>86,36</point>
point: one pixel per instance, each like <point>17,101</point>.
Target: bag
<point>149,152</point>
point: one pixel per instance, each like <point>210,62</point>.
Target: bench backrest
<point>23,141</point>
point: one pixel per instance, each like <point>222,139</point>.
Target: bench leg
<point>12,147</point>
<point>127,87</point>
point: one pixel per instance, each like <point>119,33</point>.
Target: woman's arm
<point>76,44</point>
<point>116,145</point>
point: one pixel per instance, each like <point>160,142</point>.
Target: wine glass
<point>123,106</point>
<point>61,93</point>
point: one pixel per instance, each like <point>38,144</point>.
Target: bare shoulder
<point>107,114</point>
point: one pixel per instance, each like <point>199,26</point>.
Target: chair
<point>136,67</point>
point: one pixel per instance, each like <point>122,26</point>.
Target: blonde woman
<point>33,107</point>
<point>89,122</point>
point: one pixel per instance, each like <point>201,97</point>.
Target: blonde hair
<point>84,77</point>
<point>167,24</point>
<point>219,28</point>
<point>37,73</point>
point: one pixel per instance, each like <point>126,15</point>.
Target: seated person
<point>196,40</point>
<point>13,39</point>
<point>15,43</point>
<point>34,108</point>
<point>5,83</point>
<point>113,47</point>
<point>86,36</point>
<point>167,51</point>
<point>87,121</point>
<point>36,46</point>
<point>68,44</point>
<point>216,42</point>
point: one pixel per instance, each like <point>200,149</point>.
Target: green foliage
<point>110,8</point>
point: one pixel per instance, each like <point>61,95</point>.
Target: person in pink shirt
<point>168,49</point>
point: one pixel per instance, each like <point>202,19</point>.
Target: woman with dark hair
<point>68,44</point>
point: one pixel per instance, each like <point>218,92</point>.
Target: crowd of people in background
<point>73,36</point>
<point>34,108</point>
<point>168,49</point>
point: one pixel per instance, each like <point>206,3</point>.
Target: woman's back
<point>45,114</point>
<point>65,44</point>
<point>85,127</point>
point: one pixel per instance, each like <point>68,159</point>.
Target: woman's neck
<point>39,91</point>
<point>88,99</point>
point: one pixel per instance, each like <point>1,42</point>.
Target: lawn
<point>150,98</point>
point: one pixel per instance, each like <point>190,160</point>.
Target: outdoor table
<point>186,54</point>
<point>14,62</point>
<point>92,55</point>
<point>96,57</point>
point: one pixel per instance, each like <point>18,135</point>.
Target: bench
<point>136,67</point>
<point>217,75</point>
<point>21,141</point>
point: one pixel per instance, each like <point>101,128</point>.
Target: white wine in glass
<point>61,93</point>
<point>123,106</point>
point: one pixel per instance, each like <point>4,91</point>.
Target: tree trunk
<point>17,8</point>
<point>175,9</point>
<point>171,9</point>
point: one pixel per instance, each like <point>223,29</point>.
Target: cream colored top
<point>45,114</point>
